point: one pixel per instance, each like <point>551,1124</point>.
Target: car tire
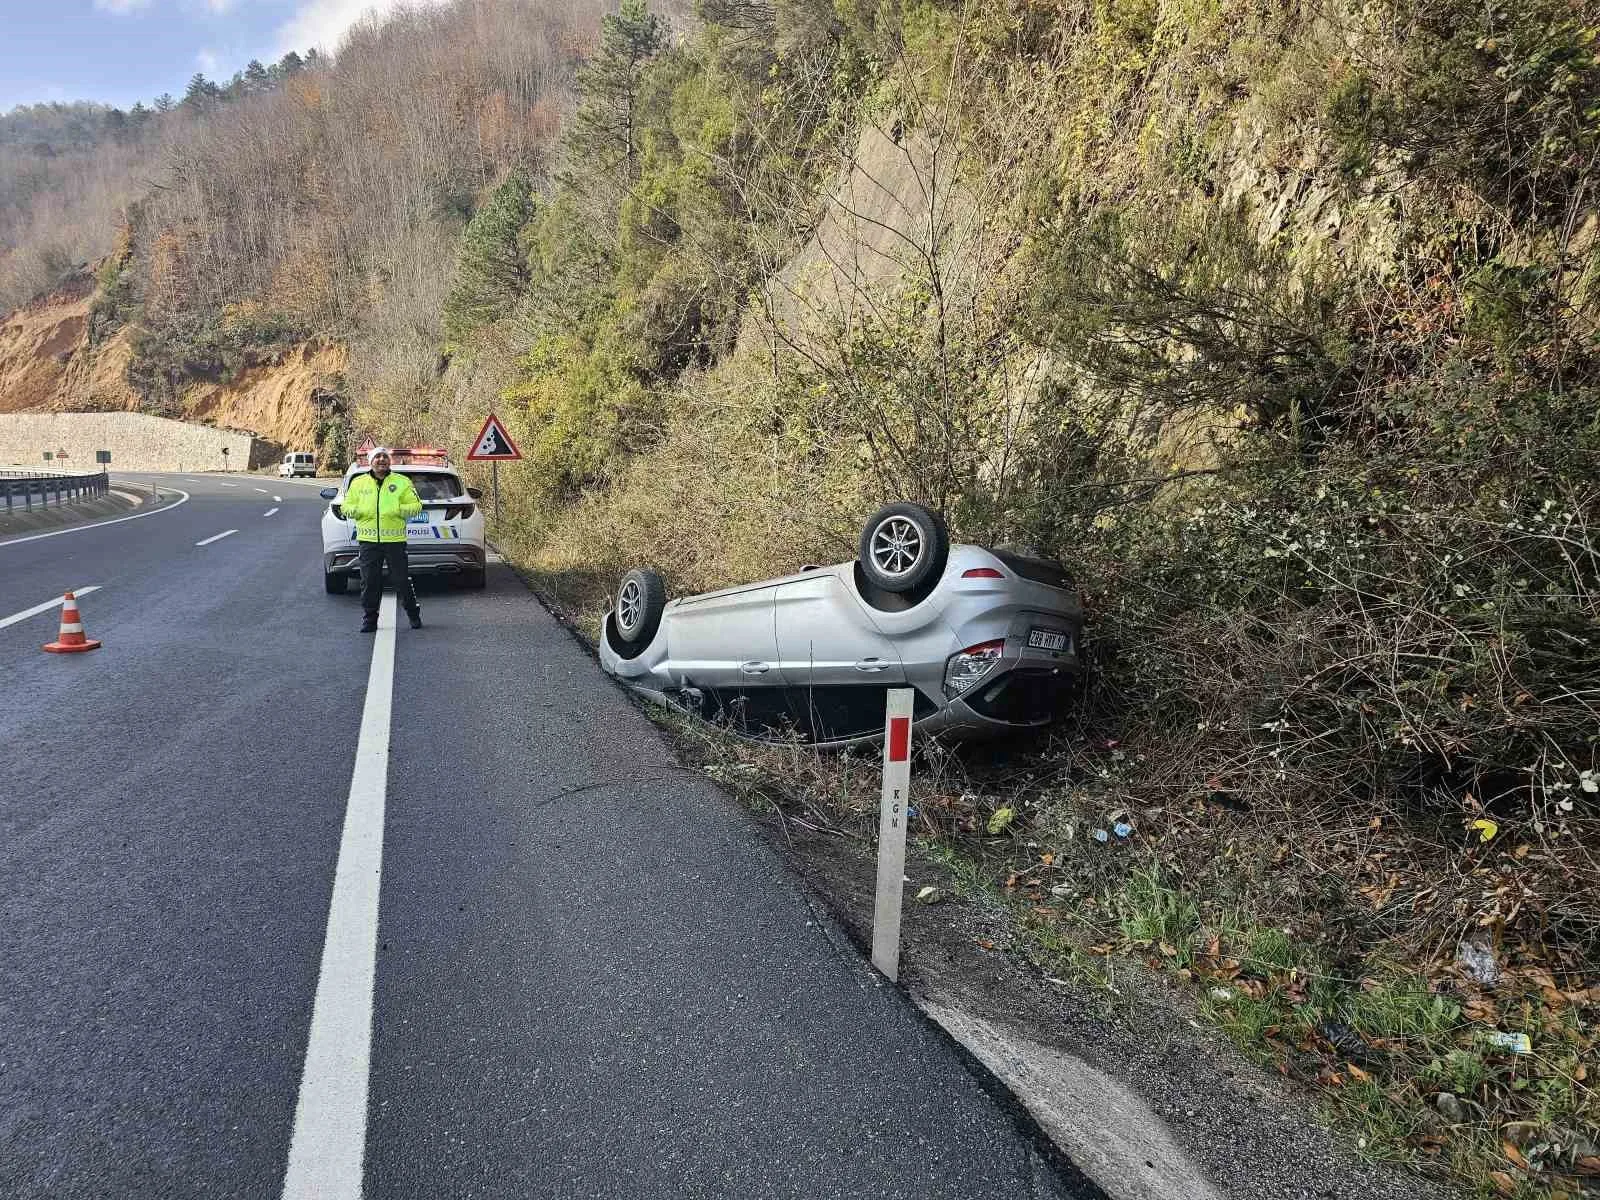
<point>477,580</point>
<point>335,583</point>
<point>903,547</point>
<point>641,599</point>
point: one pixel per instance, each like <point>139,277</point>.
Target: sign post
<point>892,833</point>
<point>494,445</point>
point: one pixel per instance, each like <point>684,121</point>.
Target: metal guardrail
<point>25,491</point>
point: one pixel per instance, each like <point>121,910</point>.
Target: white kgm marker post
<point>892,832</point>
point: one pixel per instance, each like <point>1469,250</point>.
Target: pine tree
<point>256,78</point>
<point>491,272</point>
<point>201,92</point>
<point>605,132</point>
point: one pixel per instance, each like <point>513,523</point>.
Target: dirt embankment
<point>47,364</point>
<point>275,400</point>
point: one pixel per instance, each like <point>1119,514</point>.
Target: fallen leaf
<point>1358,1074</point>
<point>1485,827</point>
<point>1048,859</point>
<point>1503,1183</point>
<point>1514,1155</point>
<point>1589,1164</point>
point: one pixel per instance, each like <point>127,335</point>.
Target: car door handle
<point>755,668</point>
<point>872,664</point>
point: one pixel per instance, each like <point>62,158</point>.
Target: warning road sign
<point>494,443</point>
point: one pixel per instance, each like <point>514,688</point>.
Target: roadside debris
<point>1478,962</point>
<point>1517,1043</point>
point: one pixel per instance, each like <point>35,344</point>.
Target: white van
<point>298,462</point>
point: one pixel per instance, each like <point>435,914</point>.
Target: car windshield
<point>430,485</point>
<point>434,486</point>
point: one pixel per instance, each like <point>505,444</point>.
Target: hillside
<point>1280,325</point>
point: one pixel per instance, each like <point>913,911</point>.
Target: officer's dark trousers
<point>373,557</point>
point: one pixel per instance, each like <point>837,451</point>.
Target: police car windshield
<point>434,485</point>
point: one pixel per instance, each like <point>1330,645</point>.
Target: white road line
<point>45,607</point>
<point>264,491</point>
<point>227,485</point>
<point>277,499</point>
<point>269,512</point>
<point>330,1118</point>
<point>114,521</point>
<point>186,479</point>
<point>217,537</point>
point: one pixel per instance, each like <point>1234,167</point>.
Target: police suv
<point>445,538</point>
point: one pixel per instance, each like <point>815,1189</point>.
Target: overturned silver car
<point>988,639</point>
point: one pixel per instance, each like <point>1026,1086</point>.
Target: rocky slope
<point>48,364</point>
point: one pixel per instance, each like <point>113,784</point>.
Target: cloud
<point>208,61</point>
<point>323,23</point>
<point>121,8</point>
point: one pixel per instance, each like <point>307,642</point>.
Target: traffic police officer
<point>380,502</point>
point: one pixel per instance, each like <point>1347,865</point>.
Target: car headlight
<point>964,669</point>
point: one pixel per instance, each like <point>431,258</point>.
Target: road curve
<point>588,976</point>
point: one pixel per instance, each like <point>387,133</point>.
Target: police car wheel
<point>476,579</point>
<point>335,584</point>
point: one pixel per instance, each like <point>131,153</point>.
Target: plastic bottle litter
<point>1517,1043</point>
<point>1122,829</point>
<point>1100,835</point>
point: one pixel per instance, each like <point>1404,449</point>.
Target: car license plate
<point>1046,639</point>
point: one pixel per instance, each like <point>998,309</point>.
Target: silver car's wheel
<point>897,547</point>
<point>640,601</point>
<point>903,546</point>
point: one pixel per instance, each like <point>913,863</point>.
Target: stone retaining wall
<point>137,441</point>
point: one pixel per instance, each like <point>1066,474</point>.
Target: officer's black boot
<point>416,618</point>
<point>369,623</point>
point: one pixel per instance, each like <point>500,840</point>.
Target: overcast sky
<point>120,51</point>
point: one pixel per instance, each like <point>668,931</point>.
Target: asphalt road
<point>588,977</point>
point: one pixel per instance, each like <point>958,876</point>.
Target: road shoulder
<point>1122,1080</point>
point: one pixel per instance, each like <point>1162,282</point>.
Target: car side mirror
<point>475,493</point>
<point>329,493</point>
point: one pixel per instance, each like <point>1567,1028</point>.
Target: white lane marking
<point>217,537</point>
<point>227,485</point>
<point>277,499</point>
<point>264,491</point>
<point>45,607</point>
<point>114,521</point>
<point>330,1117</point>
<point>186,479</point>
<point>269,512</point>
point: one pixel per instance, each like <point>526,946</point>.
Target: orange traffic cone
<point>71,640</point>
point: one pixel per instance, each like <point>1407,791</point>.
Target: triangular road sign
<point>494,443</point>
<point>367,447</point>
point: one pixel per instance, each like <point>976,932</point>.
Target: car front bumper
<point>452,559</point>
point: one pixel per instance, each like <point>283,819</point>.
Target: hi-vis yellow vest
<point>380,510</point>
